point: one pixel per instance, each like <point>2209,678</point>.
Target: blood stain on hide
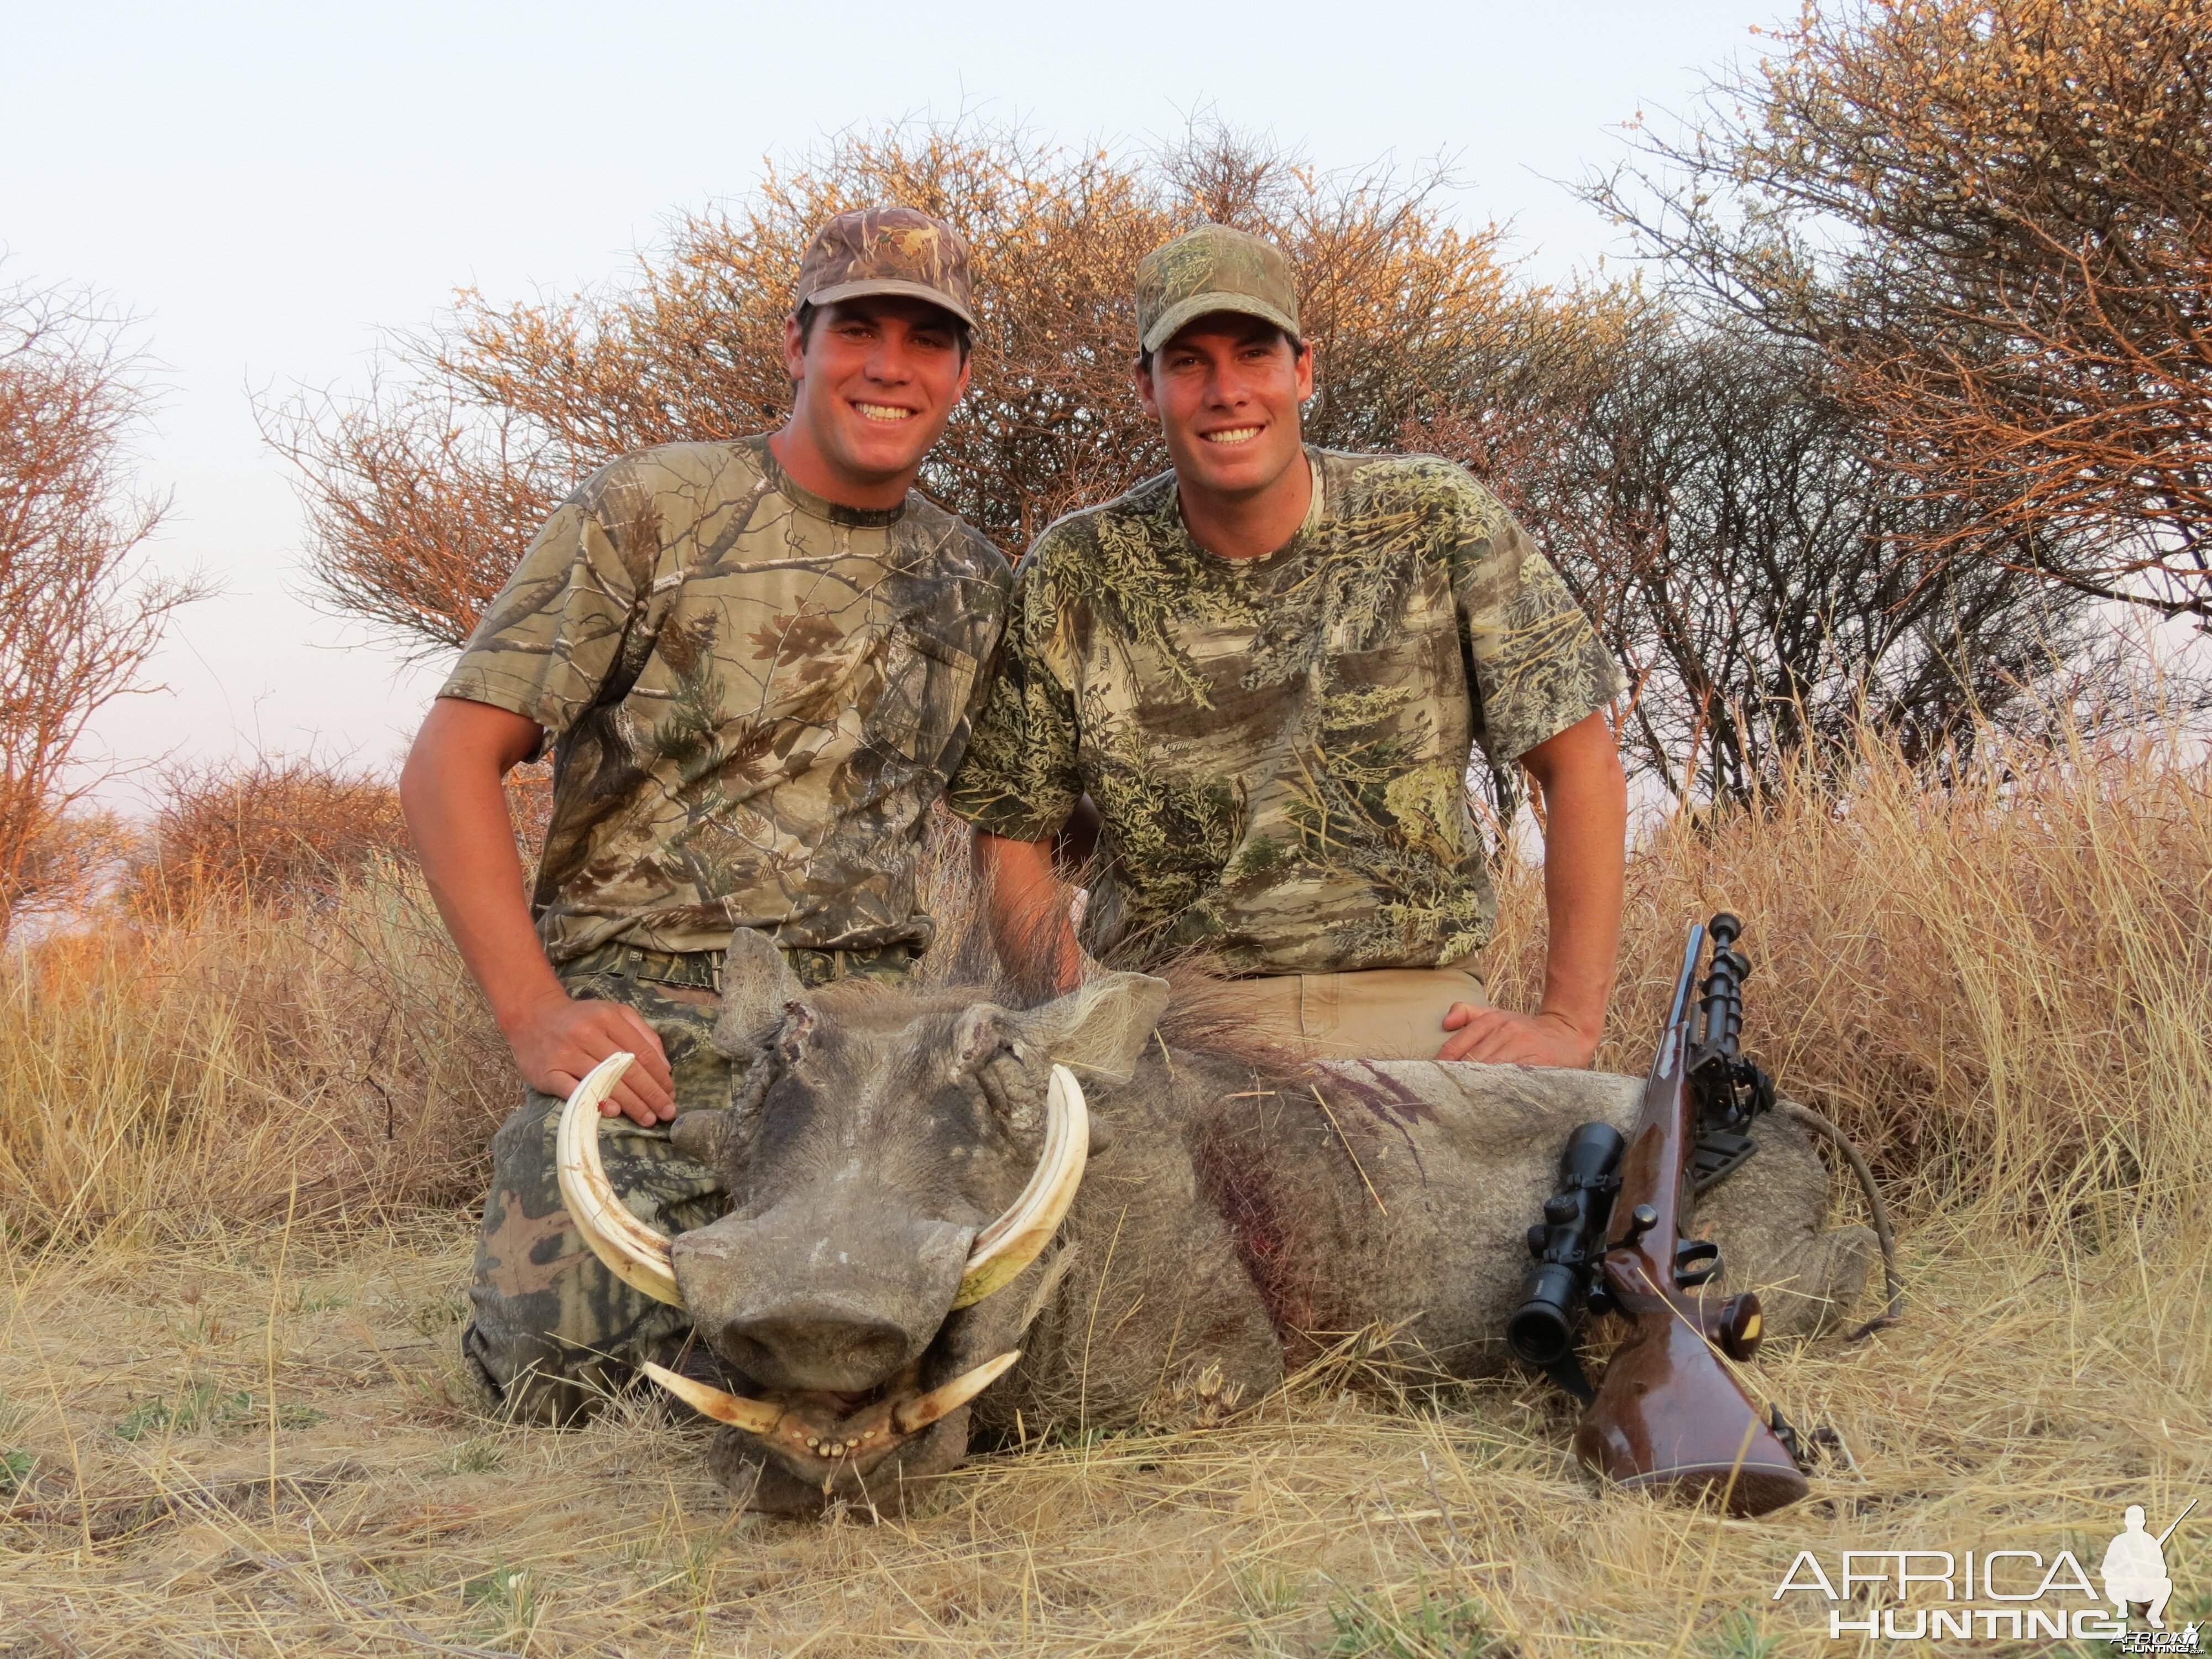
<point>1267,1242</point>
<point>1383,1098</point>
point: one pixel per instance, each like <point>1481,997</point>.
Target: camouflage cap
<point>887,250</point>
<point>1212,268</point>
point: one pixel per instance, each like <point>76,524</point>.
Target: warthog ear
<point>1099,1028</point>
<point>757,984</point>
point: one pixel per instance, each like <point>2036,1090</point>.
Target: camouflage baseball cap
<point>887,250</point>
<point>1212,268</point>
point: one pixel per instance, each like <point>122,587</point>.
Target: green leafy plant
<point>1434,1628</point>
<point>205,1404</point>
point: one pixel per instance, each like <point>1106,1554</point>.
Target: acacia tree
<point>1994,218</point>
<point>1760,578</point>
<point>422,493</point>
<point>77,619</point>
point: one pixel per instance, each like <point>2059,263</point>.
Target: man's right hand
<point>557,1041</point>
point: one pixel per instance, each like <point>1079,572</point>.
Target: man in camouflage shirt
<point>757,661</point>
<point>1266,669</point>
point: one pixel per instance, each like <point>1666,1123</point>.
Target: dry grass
<point>237,1433</point>
<point>165,1080</point>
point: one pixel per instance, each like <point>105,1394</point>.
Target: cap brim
<point>936,296</point>
<point>1183,313</point>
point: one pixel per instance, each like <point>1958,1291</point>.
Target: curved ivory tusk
<point>1013,1241</point>
<point>918,1413</point>
<point>754,1416</point>
<point>634,1253</point>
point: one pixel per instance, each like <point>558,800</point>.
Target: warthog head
<point>893,1160</point>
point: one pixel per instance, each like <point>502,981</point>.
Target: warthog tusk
<point>633,1252</point>
<point>754,1416</point>
<point>920,1413</point>
<point>1009,1244</point>
<point>640,1257</point>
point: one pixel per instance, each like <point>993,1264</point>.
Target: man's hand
<point>557,1041</point>
<point>1502,1037</point>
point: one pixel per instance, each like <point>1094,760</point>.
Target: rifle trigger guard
<point>1696,1260</point>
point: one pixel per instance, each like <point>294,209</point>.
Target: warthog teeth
<point>918,1413</point>
<point>634,1253</point>
<point>754,1416</point>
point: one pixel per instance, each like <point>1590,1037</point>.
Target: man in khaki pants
<point>1267,668</point>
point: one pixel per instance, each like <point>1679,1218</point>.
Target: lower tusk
<point>754,1416</point>
<point>1014,1240</point>
<point>918,1413</point>
<point>634,1253</point>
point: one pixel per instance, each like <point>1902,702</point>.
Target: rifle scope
<point>1571,1232</point>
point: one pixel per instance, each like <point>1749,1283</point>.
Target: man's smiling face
<point>1226,391</point>
<point>876,378</point>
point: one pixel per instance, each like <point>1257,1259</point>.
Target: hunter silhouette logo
<point>2028,1595</point>
<point>2133,1568</point>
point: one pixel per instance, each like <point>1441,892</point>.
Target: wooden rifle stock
<point>1670,1414</point>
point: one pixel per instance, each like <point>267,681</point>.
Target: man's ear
<point>794,350</point>
<point>1141,376</point>
<point>1305,371</point>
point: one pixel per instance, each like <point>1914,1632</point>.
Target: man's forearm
<point>1585,833</point>
<point>457,816</point>
<point>1027,905</point>
<point>456,811</point>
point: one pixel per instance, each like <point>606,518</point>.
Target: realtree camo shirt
<point>1279,746</point>
<point>755,696</point>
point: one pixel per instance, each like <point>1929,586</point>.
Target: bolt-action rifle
<point>1669,1413</point>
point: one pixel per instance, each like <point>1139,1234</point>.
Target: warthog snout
<point>841,1350</point>
<point>799,1297</point>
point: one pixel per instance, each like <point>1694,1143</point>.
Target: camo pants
<point>552,1334</point>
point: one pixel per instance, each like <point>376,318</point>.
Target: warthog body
<point>1228,1225</point>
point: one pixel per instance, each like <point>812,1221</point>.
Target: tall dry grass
<point>231,1418</point>
<point>2002,988</point>
<point>171,1072</point>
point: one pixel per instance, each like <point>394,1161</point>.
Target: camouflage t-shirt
<point>755,695</point>
<point>1279,746</point>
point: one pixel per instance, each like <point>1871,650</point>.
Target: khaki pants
<point>1383,1013</point>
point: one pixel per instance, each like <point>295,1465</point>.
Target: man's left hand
<point>1502,1037</point>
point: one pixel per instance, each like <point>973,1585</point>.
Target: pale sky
<point>269,187</point>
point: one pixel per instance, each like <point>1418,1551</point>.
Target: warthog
<point>952,1218</point>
